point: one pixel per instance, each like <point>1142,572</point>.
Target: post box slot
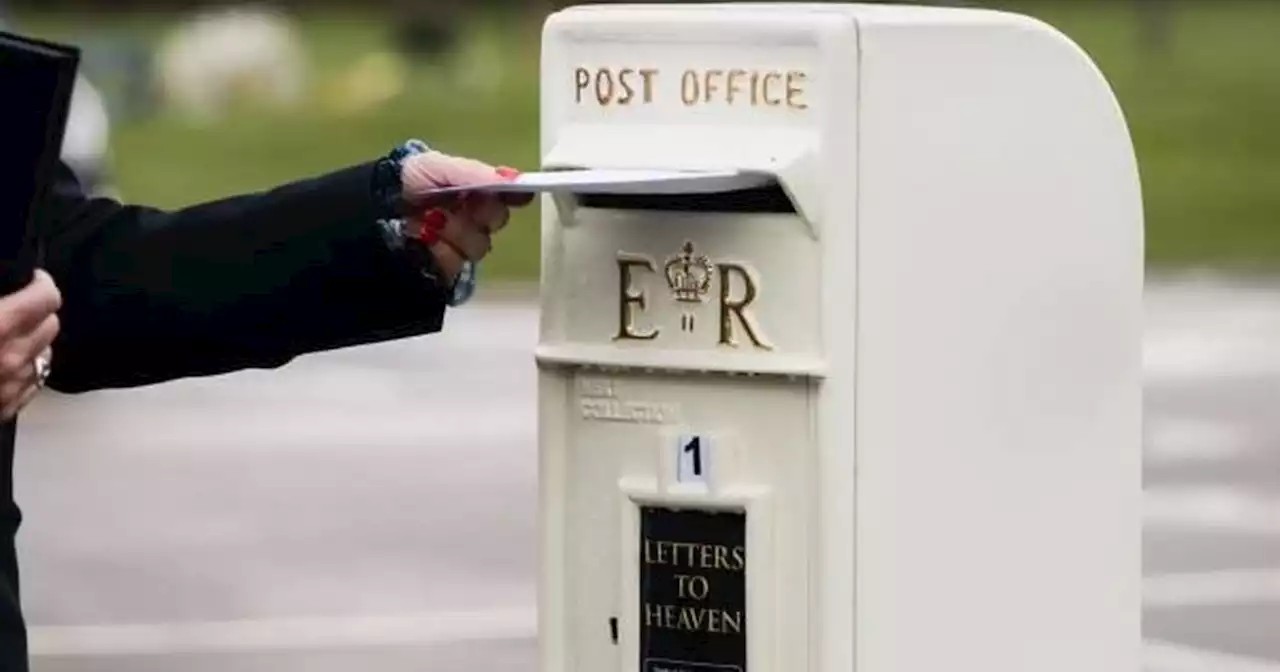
<point>770,198</point>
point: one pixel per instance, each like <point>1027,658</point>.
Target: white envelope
<point>588,181</point>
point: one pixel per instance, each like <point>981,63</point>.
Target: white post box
<point>882,414</point>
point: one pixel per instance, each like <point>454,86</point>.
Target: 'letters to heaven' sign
<point>693,612</point>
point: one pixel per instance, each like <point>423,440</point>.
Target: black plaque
<point>693,590</point>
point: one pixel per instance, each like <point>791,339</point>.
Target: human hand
<point>28,326</point>
<point>458,227</point>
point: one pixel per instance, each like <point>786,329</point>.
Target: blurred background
<point>209,98</point>
<point>316,518</point>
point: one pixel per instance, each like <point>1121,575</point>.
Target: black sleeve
<point>247,282</point>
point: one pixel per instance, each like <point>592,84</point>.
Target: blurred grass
<point>170,162</point>
<point>1205,119</point>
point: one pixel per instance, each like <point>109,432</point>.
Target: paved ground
<point>351,511</point>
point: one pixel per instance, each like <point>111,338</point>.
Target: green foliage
<point>1204,115</point>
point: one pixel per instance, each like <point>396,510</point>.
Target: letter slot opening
<point>770,198</point>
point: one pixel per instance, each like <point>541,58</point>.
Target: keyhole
<point>613,630</point>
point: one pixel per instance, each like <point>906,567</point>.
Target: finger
<point>448,260</point>
<point>450,199</point>
<point>505,219</point>
<point>49,296</point>
<point>517,199</point>
<point>456,228</point>
<point>466,242</point>
<point>18,392</point>
<point>487,214</point>
<point>445,200</point>
<point>462,171</point>
<point>423,173</point>
<point>513,199</point>
<point>44,335</point>
<point>24,398</point>
<point>17,360</point>
<point>24,309</point>
<point>470,243</point>
<point>19,352</point>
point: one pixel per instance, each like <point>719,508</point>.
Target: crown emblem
<point>689,276</point>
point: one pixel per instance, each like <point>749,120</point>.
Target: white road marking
<point>309,634</point>
<point>1198,330</point>
<point>425,630</point>
<point>1167,657</point>
<point>1176,440</point>
<point>1212,508</point>
<point>1222,587</point>
<point>1203,355</point>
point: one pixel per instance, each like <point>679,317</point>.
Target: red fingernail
<point>508,172</point>
<point>434,220</point>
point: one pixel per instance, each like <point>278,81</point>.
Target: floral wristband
<point>388,191</point>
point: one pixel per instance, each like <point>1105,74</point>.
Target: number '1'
<point>695,448</point>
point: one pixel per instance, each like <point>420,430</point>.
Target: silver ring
<point>43,369</point>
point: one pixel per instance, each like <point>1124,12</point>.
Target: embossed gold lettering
<point>647,75</point>
<point>630,85</point>
<point>640,412</point>
<point>731,84</point>
<point>689,87</point>
<point>764,89</point>
<point>596,387</point>
<point>796,80</point>
<point>709,86</point>
<point>582,78</point>
<point>624,81</point>
<point>731,309</point>
<point>631,298</point>
<point>615,87</point>
<point>604,86</point>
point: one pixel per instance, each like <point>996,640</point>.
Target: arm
<point>247,282</point>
